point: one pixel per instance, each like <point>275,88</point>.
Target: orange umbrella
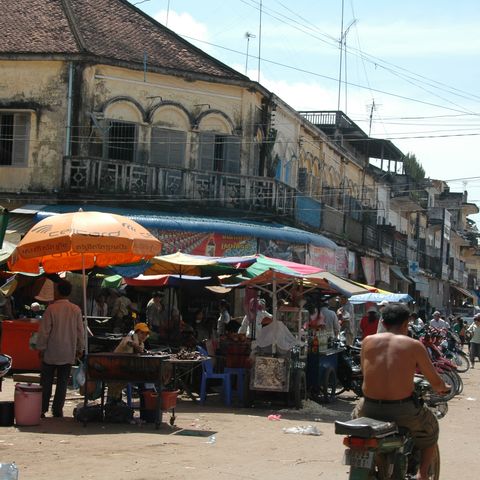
<point>72,241</point>
<point>81,240</point>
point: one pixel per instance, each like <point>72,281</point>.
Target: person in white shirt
<point>274,333</point>
<point>224,318</point>
<point>438,322</point>
<point>475,340</point>
<point>415,320</point>
<point>260,315</point>
<point>332,325</point>
<point>100,307</point>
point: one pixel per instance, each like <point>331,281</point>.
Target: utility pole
<point>340,64</point>
<point>248,36</point>
<point>372,108</point>
<point>260,40</point>
<point>168,12</point>
<point>345,33</point>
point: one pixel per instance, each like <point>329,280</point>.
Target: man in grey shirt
<point>60,342</point>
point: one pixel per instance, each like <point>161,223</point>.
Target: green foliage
<point>413,168</point>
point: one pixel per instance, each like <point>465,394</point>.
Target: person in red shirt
<point>369,322</point>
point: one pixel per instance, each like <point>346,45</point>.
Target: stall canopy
<point>197,265</point>
<point>310,275</point>
<point>380,297</point>
<point>264,263</point>
<point>397,271</point>
<point>5,251</point>
<point>463,291</point>
<point>169,280</point>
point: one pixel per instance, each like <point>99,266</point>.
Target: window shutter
<point>168,147</point>
<point>159,146</point>
<point>20,140</point>
<point>178,141</point>
<point>207,149</point>
<point>232,154</point>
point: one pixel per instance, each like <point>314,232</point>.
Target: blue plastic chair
<point>240,373</point>
<point>207,373</point>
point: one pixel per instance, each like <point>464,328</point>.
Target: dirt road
<point>247,445</point>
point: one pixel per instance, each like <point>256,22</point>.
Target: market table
<point>182,370</point>
<point>128,368</point>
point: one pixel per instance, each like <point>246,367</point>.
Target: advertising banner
<point>211,244</point>
<point>292,252</point>
<point>368,264</point>
<point>384,272</point>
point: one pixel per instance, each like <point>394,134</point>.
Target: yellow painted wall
<point>40,87</point>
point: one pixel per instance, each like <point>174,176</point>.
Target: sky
<point>416,61</point>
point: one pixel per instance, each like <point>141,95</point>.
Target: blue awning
<point>189,223</point>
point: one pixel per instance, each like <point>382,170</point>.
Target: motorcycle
<point>380,450</point>
<point>5,365</point>
<point>451,348</point>
<point>349,371</point>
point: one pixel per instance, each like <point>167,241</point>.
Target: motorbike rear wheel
<point>452,381</point>
<point>461,361</point>
<point>329,385</point>
<point>383,468</point>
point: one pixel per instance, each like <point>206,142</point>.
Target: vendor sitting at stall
<point>273,333</point>
<point>133,342</point>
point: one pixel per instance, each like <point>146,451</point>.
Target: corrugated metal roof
<point>19,223</point>
<point>179,222</point>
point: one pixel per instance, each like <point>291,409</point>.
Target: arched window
<point>168,141</point>
<point>219,150</point>
<point>122,119</point>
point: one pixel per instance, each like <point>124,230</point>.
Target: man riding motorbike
<point>389,362</point>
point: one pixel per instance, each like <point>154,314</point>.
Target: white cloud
<point>184,24</point>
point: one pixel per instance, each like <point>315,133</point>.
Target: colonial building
<point>103,107</point>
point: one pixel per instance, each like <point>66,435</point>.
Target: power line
<point>376,61</point>
<point>327,77</point>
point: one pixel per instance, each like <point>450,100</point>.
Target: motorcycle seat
<point>365,427</point>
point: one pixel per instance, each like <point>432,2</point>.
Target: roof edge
<point>73,26</point>
<point>182,40</point>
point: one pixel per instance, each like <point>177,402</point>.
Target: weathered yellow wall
<point>105,83</point>
<point>39,86</point>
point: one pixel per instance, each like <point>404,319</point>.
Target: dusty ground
<point>247,446</point>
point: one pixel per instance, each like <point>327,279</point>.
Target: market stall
<point>128,368</point>
<point>310,365</point>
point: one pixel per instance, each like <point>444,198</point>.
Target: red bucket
<point>169,399</point>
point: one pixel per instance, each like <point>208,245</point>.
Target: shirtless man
<point>389,362</point>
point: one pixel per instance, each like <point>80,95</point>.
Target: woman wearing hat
<point>134,342</point>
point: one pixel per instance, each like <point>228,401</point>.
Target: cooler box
<point>15,342</point>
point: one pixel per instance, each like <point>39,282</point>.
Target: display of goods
<point>125,366</point>
<point>187,355</point>
<point>270,374</point>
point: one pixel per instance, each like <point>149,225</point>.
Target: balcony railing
<point>400,251</point>
<point>96,176</point>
